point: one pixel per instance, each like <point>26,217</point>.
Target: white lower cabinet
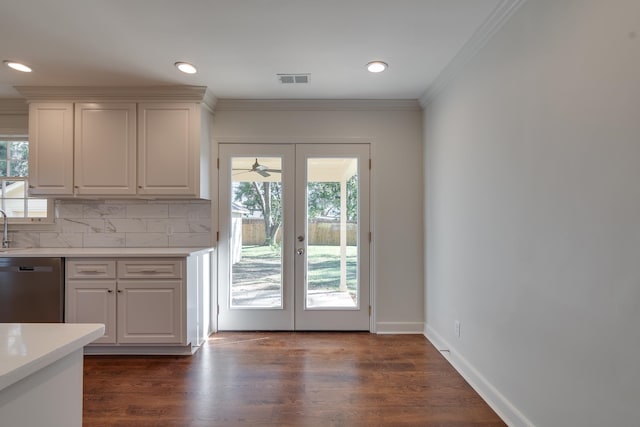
<point>93,301</point>
<point>142,302</point>
<point>150,311</point>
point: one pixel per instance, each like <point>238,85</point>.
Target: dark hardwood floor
<point>285,379</point>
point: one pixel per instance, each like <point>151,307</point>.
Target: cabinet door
<point>150,311</point>
<point>168,149</point>
<point>93,301</point>
<point>50,148</point>
<point>105,149</point>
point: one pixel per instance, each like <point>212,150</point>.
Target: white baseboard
<point>146,350</point>
<point>399,328</point>
<point>496,400</point>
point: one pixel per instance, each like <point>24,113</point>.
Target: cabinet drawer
<point>152,268</point>
<point>91,268</point>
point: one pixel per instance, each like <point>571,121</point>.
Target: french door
<point>294,237</point>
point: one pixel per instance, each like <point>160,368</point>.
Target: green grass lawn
<point>323,271</point>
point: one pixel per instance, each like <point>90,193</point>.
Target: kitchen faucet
<point>5,231</point>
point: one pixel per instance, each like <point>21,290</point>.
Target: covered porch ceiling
<point>330,169</point>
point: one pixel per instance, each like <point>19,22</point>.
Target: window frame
<point>49,219</point>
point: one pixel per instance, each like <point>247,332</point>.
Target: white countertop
<point>28,347</point>
<point>100,252</point>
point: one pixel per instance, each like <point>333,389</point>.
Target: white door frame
<point>260,140</point>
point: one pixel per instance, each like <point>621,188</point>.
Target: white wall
<point>533,215</point>
<point>14,116</point>
<point>395,134</point>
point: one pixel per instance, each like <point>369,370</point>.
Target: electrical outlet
<point>456,328</point>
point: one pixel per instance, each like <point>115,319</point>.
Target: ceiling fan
<point>259,169</point>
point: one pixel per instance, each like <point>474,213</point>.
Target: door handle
<point>300,251</point>
<point>300,238</point>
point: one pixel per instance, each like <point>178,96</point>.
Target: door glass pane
<point>256,238</point>
<point>332,236</point>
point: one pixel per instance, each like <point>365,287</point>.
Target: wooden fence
<point>321,232</point>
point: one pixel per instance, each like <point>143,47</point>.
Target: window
<point>14,182</point>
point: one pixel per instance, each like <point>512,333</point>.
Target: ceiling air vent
<point>293,78</point>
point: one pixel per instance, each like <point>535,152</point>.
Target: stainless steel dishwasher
<point>31,290</point>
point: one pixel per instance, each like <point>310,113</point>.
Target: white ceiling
<point>239,45</point>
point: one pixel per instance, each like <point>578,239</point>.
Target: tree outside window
<point>264,200</point>
<point>14,158</point>
<point>14,174</point>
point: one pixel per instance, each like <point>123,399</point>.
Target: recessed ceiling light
<point>185,67</point>
<point>377,66</point>
<point>17,66</point>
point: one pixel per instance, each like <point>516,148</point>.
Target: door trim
<point>258,140</point>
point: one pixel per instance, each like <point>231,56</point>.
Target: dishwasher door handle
<point>28,269</point>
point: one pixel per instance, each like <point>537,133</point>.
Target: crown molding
<point>13,106</point>
<point>493,23</point>
<point>117,93</point>
<point>209,100</point>
<point>289,139</point>
<point>318,105</point>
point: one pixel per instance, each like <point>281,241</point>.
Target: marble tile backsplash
<point>123,223</point>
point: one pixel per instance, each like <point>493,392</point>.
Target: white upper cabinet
<point>170,148</point>
<point>105,149</point>
<point>51,148</point>
<point>146,142</point>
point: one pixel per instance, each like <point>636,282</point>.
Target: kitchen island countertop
<point>28,347</point>
<point>41,373</point>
